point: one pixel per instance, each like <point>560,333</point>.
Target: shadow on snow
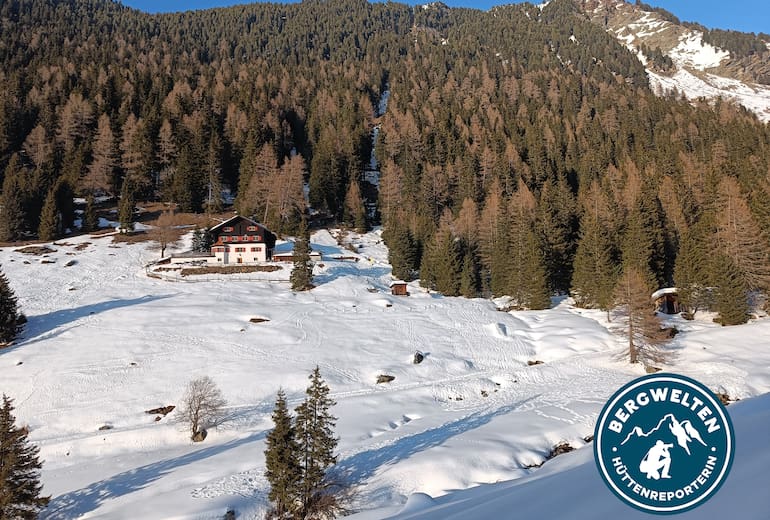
<point>365,464</point>
<point>81,501</point>
<point>45,326</point>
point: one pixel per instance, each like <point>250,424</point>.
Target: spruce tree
<point>315,436</point>
<point>302,274</point>
<point>126,207</point>
<point>10,318</point>
<point>284,472</point>
<point>50,219</point>
<point>440,267</point>
<point>469,275</point>
<point>403,254</point>
<point>691,272</point>
<point>90,221</point>
<point>526,279</point>
<point>595,271</point>
<point>201,241</point>
<point>732,293</point>
<point>12,214</point>
<point>20,485</point>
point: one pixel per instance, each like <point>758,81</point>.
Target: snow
<point>691,55</point>
<point>662,292</point>
<point>105,342</point>
<point>752,96</point>
<point>693,52</point>
<point>582,495</point>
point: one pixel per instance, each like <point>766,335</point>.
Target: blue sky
<point>740,15</point>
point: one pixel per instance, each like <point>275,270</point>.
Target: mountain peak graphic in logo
<point>683,431</point>
<point>663,443</point>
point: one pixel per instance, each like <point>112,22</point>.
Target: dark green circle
<point>631,434</point>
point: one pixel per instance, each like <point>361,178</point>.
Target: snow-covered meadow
<point>105,342</point>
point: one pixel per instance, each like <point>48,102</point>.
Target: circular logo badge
<point>664,443</point>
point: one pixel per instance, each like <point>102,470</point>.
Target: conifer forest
<point>522,151</point>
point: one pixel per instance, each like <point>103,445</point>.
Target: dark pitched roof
<point>236,217</point>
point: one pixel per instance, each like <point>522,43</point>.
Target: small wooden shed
<point>667,300</point>
<point>398,288</point>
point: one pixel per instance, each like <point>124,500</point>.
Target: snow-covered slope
<point>702,70</point>
<point>569,488</point>
<point>105,342</point>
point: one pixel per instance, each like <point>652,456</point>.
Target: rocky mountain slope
<point>687,62</point>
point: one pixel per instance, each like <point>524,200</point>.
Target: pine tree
<point>302,273</point>
<point>315,436</point>
<point>284,472</point>
<point>10,318</point>
<point>126,207</point>
<point>20,486</point>
<point>643,330</point>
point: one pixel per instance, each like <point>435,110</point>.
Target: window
<point>227,229</point>
<point>256,249</point>
<point>246,238</point>
<point>251,228</point>
<point>235,238</point>
<point>240,249</point>
<point>257,238</point>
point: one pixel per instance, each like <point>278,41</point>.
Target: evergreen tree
<point>90,221</point>
<point>50,219</point>
<point>732,293</point>
<point>315,436</point>
<point>126,207</point>
<point>10,318</point>
<point>284,472</point>
<point>642,326</point>
<point>469,275</point>
<point>202,241</point>
<point>555,225</point>
<point>403,252</point>
<point>20,485</point>
<point>691,272</point>
<point>302,272</point>
<point>526,279</point>
<point>440,267</point>
<point>645,245</point>
<point>12,215</point>
<point>595,271</point>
